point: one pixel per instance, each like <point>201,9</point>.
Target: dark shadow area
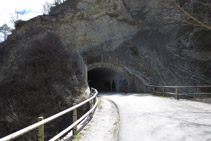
<point>102,79</point>
<point>34,84</point>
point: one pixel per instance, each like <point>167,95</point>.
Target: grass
<point>117,126</point>
<point>116,129</point>
<point>162,96</point>
<point>206,100</point>
<point>117,122</point>
<point>99,104</point>
<point>77,137</point>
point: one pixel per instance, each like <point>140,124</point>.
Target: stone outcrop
<point>144,34</point>
<point>164,51</point>
<point>39,77</point>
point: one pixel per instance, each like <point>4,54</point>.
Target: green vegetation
<point>117,122</point>
<point>77,137</point>
<point>99,104</point>
<point>161,96</point>
<point>5,30</point>
<point>116,129</point>
<point>117,126</point>
<point>205,100</point>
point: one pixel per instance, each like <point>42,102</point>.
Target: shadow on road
<point>123,94</point>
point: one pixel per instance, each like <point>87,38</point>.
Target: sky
<point>32,8</point>
<point>27,9</point>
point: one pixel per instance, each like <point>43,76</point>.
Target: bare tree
<point>14,16</point>
<point>5,30</point>
<point>58,2</point>
<point>47,7</point>
<point>197,13</point>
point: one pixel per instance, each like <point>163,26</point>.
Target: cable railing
<point>40,125</point>
<point>181,91</point>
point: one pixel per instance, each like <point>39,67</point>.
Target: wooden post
<point>177,96</point>
<point>149,89</point>
<point>163,91</point>
<point>75,130</point>
<point>197,90</point>
<point>41,130</point>
<point>153,90</point>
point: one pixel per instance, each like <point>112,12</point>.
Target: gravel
<point>104,125</point>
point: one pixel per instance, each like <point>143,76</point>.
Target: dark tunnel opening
<point>103,79</point>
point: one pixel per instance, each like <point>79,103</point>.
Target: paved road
<point>148,118</point>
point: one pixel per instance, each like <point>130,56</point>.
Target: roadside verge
<point>104,126</point>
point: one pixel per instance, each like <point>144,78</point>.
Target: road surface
<point>149,118</point>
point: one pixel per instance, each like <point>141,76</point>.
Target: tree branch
<point>205,4</point>
<point>187,22</point>
<point>191,17</point>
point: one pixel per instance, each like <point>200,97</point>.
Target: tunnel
<point>103,79</point>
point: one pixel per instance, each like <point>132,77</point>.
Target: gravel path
<point>104,125</point>
<point>149,118</point>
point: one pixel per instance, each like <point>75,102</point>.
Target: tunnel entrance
<point>103,79</point>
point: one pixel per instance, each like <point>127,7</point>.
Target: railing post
<point>153,90</point>
<point>197,90</point>
<point>163,91</point>
<point>75,130</point>
<point>177,96</point>
<point>41,130</point>
<point>150,89</point>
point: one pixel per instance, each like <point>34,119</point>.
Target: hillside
<point>39,62</point>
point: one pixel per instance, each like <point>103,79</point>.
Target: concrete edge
<point>88,119</point>
<point>118,125</point>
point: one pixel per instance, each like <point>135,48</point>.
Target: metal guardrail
<point>163,90</point>
<point>40,125</point>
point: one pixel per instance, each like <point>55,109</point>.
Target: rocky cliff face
<point>143,33</point>
<point>39,77</point>
<point>165,51</point>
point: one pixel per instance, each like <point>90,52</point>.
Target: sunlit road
<point>148,118</point>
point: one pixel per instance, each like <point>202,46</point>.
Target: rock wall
<point>39,77</point>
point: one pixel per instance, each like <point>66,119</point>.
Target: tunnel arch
<point>104,79</point>
<point>97,73</point>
